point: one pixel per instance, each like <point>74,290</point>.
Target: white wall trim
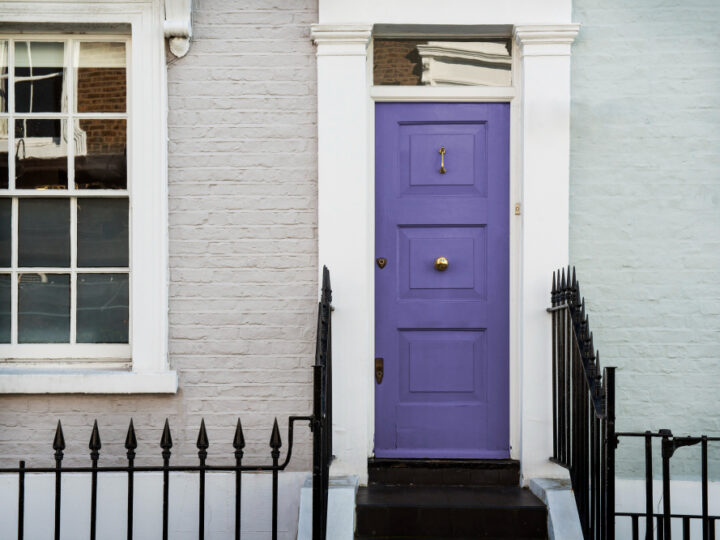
<point>342,39</point>
<point>87,382</point>
<point>548,40</point>
<point>178,25</point>
<point>443,93</point>
<point>147,168</point>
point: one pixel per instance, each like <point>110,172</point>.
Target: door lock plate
<point>379,370</point>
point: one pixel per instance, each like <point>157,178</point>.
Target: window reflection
<point>39,76</point>
<point>100,154</point>
<point>101,79</point>
<point>3,79</point>
<point>4,142</point>
<point>442,63</point>
<point>40,154</point>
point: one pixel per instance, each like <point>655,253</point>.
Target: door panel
<point>443,334</point>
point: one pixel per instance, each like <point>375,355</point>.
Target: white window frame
<point>142,366</point>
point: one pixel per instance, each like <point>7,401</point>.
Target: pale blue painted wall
<point>645,204</point>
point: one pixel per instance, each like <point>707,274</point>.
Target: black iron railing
<point>583,409</point>
<point>584,436</point>
<point>659,524</point>
<point>320,422</point>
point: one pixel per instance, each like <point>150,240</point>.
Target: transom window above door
<point>64,199</point>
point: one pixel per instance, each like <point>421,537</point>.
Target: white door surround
<point>540,129</point>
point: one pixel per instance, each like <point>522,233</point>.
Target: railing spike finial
<point>326,290</point>
<point>130,441</point>
<point>95,443</point>
<point>574,277</point>
<point>59,441</point>
<point>166,440</point>
<point>563,285</point>
<point>275,441</point>
<point>239,438</point>
<point>202,442</point>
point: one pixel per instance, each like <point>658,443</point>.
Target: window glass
<point>101,79</point>
<point>40,76</point>
<point>4,142</point>
<point>5,308</point>
<point>102,232</point>
<point>67,132</point>
<point>40,154</point>
<point>102,308</point>
<point>44,233</point>
<point>44,308</point>
<point>407,62</point>
<point>100,154</point>
<point>3,77</point>
<point>5,231</point>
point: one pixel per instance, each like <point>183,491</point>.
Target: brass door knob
<point>441,264</point>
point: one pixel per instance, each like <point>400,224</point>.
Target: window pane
<point>44,308</point>
<point>4,308</point>
<point>3,76</point>
<point>102,308</point>
<point>4,171</point>
<point>39,76</point>
<point>100,155</point>
<point>44,232</point>
<point>101,81</point>
<point>442,63</point>
<point>5,244</point>
<point>40,154</point>
<point>102,232</point>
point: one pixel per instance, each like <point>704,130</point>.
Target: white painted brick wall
<point>645,206</point>
<point>243,249</point>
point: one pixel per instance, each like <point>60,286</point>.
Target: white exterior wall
<point>242,247</point>
<point>183,509</point>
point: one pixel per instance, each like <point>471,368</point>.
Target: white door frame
<point>539,181</point>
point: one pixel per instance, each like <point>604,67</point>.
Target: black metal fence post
<point>275,444</point>
<point>166,445</point>
<point>666,453</point>
<point>611,444</point>
<point>202,445</point>
<point>648,487</point>
<point>704,472</point>
<point>21,502</point>
<point>238,444</point>
<point>130,446</point>
<point>58,446</point>
<point>94,446</point>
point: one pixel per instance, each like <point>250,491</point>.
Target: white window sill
<point>31,381</point>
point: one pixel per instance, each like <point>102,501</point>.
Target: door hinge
<point>517,208</point>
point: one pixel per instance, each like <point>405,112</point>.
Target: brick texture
<point>243,250</point>
<point>397,62</point>
<point>645,193</point>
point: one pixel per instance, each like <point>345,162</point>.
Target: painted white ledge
<point>17,381</point>
<point>442,93</point>
<point>563,519</point>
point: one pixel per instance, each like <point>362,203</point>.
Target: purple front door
<point>442,191</point>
